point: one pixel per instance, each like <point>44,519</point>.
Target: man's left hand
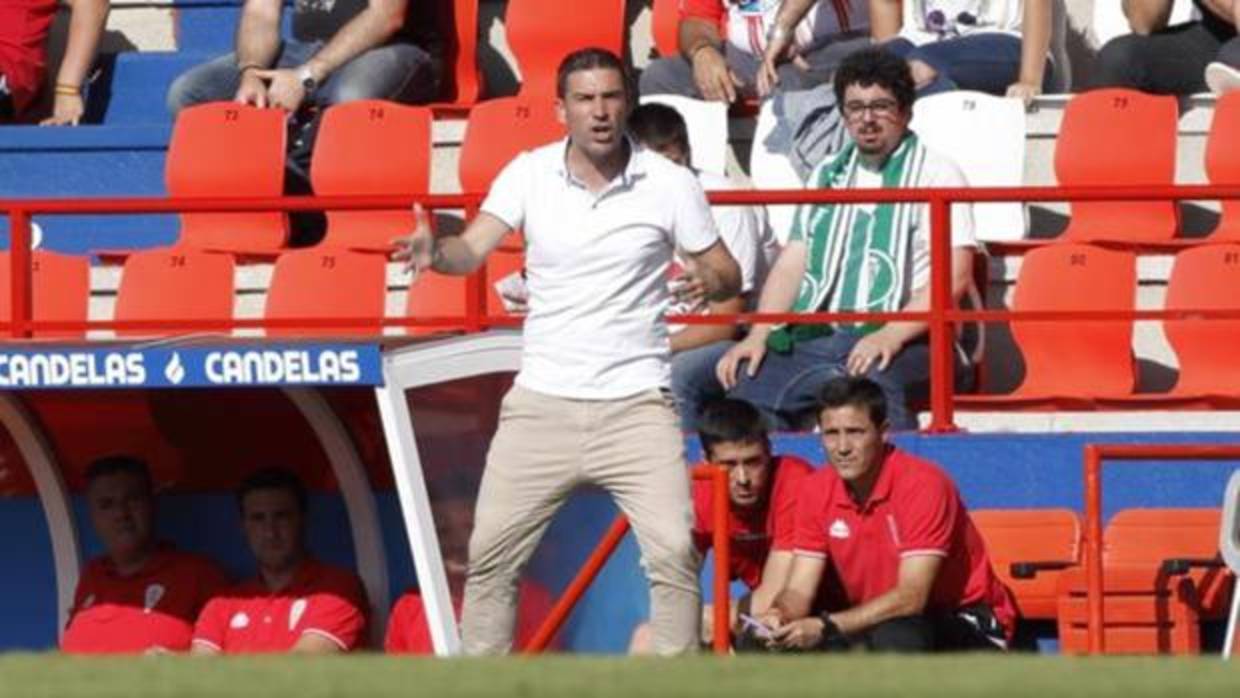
<point>873,351</point>
<point>284,89</point>
<point>802,634</point>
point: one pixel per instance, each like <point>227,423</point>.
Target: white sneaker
<point>1222,78</point>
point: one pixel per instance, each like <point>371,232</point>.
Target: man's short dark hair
<point>121,464</point>
<point>657,126</point>
<point>731,420</point>
<point>273,478</point>
<point>854,391</point>
<point>590,59</point>
<point>874,66</point>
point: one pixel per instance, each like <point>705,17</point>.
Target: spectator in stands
<point>763,490</point>
<point>912,564</point>
<point>724,44</point>
<point>601,217</point>
<point>24,26</point>
<point>997,46</point>
<point>1174,60</point>
<point>697,348</point>
<point>453,511</point>
<point>855,257</point>
<point>141,595</point>
<point>295,603</point>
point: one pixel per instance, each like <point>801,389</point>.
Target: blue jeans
<point>400,72</point>
<point>693,380</point>
<point>787,385</point>
<point>986,62</point>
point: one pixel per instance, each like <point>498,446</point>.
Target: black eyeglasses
<point>880,108</point>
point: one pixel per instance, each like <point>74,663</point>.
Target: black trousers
<point>1170,61</point>
<point>970,629</point>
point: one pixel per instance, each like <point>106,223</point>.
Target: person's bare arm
<point>908,598</point>
<point>780,45</point>
<point>885,19</point>
<point>1147,16</point>
<point>258,42</point>
<point>878,348</point>
<point>458,254</point>
<point>313,643</point>
<point>694,336</point>
<point>86,21</point>
<point>718,270</point>
<point>1226,10</point>
<point>778,294</point>
<point>701,45</point>
<point>775,575</point>
<point>796,599</point>
<point>1035,42</point>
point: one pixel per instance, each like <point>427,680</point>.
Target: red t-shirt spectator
<point>914,509</point>
<point>744,23</point>
<point>153,608</point>
<point>321,600</point>
<point>408,633</point>
<point>24,25</point>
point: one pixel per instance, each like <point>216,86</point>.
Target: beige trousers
<point>544,447</point>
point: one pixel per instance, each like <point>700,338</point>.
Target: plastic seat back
<point>1076,358</point>
<point>708,129</point>
<point>665,27</point>
<point>497,131</point>
<point>1117,137</point>
<point>224,149</point>
<point>60,288</point>
<point>772,170</point>
<point>1029,549</point>
<point>1149,537</point>
<point>1206,276</point>
<point>542,32</point>
<point>377,148</point>
<point>328,283</point>
<point>462,77</point>
<point>1223,161</point>
<point>985,136</point>
<point>175,284</point>
<point>439,295</point>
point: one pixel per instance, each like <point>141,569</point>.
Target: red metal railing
<point>940,317</point>
<point>1095,456</point>
<point>721,640</point>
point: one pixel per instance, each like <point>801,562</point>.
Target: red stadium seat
<point>1207,276</point>
<point>1070,363</point>
<point>665,26</point>
<point>1029,549</point>
<point>1223,161</point>
<point>1119,137</point>
<point>60,289</point>
<point>437,295</point>
<point>314,283</point>
<point>377,148</point>
<point>462,77</point>
<point>175,284</point>
<point>1161,575</point>
<point>497,131</point>
<point>542,32</point>
<point>223,149</point>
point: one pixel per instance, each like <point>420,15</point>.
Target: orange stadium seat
<point>665,26</point>
<point>540,34</point>
<point>1161,576</point>
<point>497,131</point>
<point>462,78</point>
<point>371,147</point>
<point>1207,276</point>
<point>174,284</point>
<point>1068,364</point>
<point>223,149</point>
<point>339,283</point>
<point>1029,549</point>
<point>435,295</point>
<point>1223,161</point>
<point>1119,137</point>
<point>60,289</point>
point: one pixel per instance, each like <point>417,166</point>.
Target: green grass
<point>581,677</point>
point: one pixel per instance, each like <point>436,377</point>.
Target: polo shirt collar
<point>158,559</point>
<point>882,487</point>
<point>633,169</point>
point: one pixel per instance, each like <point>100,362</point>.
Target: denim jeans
<point>693,380</point>
<point>986,62</point>
<point>1168,61</point>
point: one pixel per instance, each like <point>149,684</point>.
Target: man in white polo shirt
<point>591,404</point>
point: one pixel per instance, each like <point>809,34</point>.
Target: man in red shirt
<point>295,603</point>
<point>141,595</point>
<point>763,490</point>
<point>24,26</point>
<point>893,527</point>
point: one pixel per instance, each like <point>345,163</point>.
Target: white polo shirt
<point>596,267</point>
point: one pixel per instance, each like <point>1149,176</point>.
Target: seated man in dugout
<point>142,594</point>
<point>763,490</point>
<point>295,603</point>
<point>892,526</point>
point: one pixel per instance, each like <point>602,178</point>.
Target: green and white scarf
<point>856,261</point>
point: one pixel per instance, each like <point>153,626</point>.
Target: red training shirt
<point>24,25</point>
<point>408,633</point>
<point>154,607</point>
<point>914,509</point>
<point>321,600</point>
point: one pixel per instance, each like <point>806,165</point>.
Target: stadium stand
<point>174,283</point>
<point>665,26</point>
<point>60,288</point>
<point>462,84</point>
<point>327,283</point>
<point>371,147</point>
<point>1030,549</point>
<point>437,295</point>
<point>540,37</point>
<point>1222,162</point>
<point>1206,277</point>
<point>499,129</point>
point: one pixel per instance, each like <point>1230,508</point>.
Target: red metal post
<point>568,600</point>
<point>722,638</point>
<point>1093,548</point>
<point>942,369</point>
<point>20,273</point>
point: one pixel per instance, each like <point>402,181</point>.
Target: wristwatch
<point>307,79</point>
